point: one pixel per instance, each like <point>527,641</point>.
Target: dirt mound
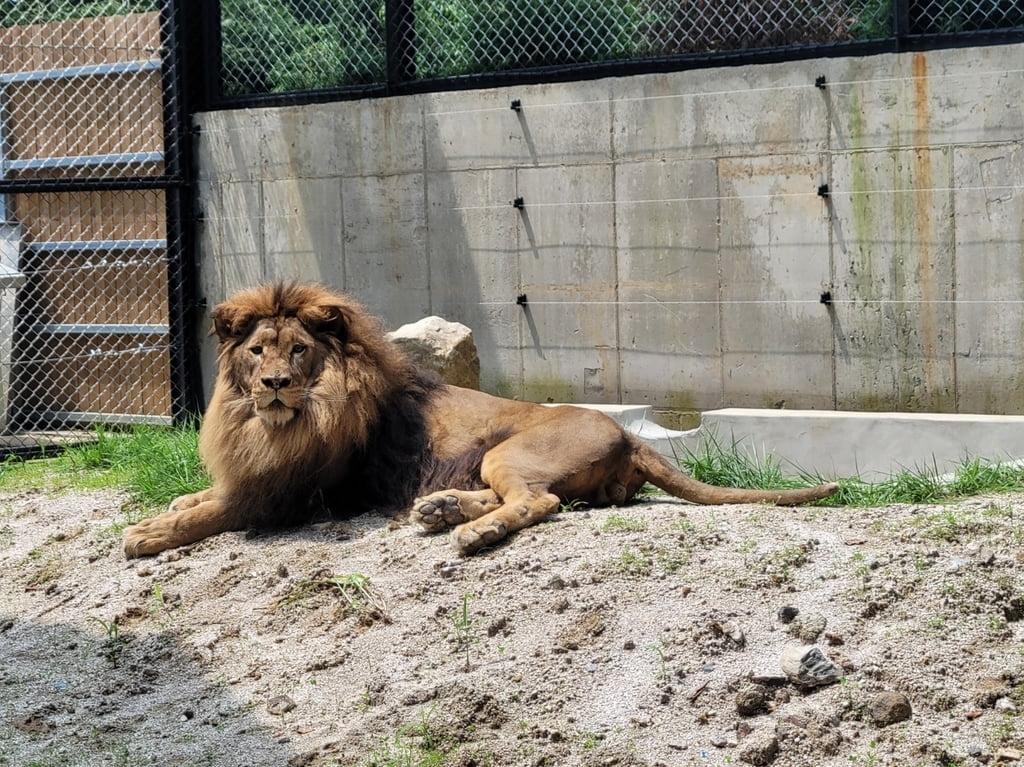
<point>642,636</point>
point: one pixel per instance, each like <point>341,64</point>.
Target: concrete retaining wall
<point>672,244</point>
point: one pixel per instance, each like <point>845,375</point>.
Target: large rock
<point>444,346</point>
<point>807,666</point>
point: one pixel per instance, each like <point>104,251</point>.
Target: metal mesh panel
<point>289,45</point>
<point>272,46</point>
<point>85,320</point>
<point>284,45</point>
<point>944,17</point>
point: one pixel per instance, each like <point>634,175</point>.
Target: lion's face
<point>277,365</point>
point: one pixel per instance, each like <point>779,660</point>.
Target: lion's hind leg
<point>449,508</point>
<point>518,511</point>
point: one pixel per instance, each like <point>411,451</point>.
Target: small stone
<point>1009,755</point>
<point>888,708</point>
<point>808,628</point>
<point>724,740</point>
<point>984,557</point>
<point>750,700</point>
<point>807,666</point>
<point>729,629</point>
<point>787,613</point>
<point>988,690</point>
<point>280,705</point>
<point>759,748</point>
<point>1005,705</point>
<point>556,582</point>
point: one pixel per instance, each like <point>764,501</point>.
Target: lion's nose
<point>276,381</point>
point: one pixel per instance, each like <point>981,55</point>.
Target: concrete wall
<point>672,244</point>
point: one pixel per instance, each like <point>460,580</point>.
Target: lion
<point>315,408</point>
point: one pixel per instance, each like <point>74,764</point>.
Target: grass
<point>154,464</point>
<point>619,523</point>
<point>729,466</point>
<point>157,464</point>
<point>425,743</point>
<point>357,595</point>
<point>464,630</point>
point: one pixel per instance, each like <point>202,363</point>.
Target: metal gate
<point>92,284</point>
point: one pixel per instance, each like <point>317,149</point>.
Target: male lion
<point>313,405</point>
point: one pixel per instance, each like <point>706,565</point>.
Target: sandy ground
<point>647,635</point>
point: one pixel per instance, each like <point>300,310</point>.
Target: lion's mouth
<point>273,409</point>
<point>275,412</point>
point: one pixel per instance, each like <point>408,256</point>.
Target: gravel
<point>642,636</point>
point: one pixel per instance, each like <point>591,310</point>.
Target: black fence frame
<point>178,72</point>
<point>206,87</point>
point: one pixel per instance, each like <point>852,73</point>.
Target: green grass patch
<point>620,523</point>
<point>731,466</point>
<point>154,464</point>
<point>356,593</point>
<point>157,464</point>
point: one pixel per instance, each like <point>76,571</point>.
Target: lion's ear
<point>231,321</point>
<point>325,318</point>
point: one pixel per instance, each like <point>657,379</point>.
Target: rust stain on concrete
<point>924,226</point>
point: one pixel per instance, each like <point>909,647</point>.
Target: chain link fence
<point>273,46</point>
<point>87,264</point>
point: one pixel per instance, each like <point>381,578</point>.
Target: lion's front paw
<point>474,535</point>
<point>437,512</point>
<point>150,536</point>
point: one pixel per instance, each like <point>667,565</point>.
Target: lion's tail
<point>661,473</point>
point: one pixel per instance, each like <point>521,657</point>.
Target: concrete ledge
<point>834,444</point>
<point>869,445</point>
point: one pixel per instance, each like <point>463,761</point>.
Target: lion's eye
<point>256,350</point>
<point>298,348</point>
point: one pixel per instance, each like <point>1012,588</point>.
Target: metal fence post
<point>900,21</point>
<point>400,41</point>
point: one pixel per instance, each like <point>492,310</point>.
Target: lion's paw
<point>146,538</point>
<point>437,512</point>
<point>473,536</point>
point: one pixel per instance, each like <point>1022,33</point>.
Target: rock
<point>759,748</point>
<point>750,700</point>
<point>729,629</point>
<point>724,740</point>
<point>1009,755</point>
<point>988,690</point>
<point>1005,705</point>
<point>808,666</point>
<point>984,557</point>
<point>807,628</point>
<point>443,346</point>
<point>280,705</point>
<point>888,708</point>
<point>787,613</point>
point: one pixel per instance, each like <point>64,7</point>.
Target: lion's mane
<point>358,443</point>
